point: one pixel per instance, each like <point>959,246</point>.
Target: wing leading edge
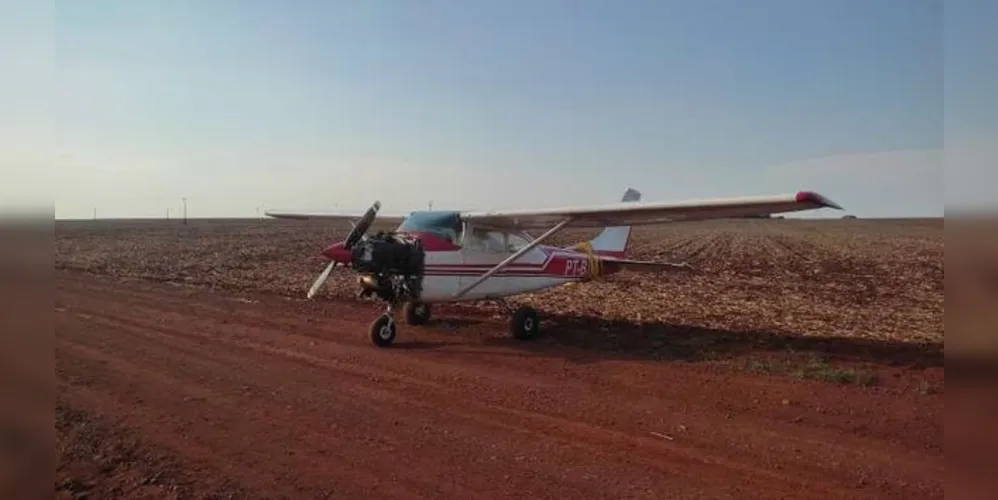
<point>631,213</point>
<point>642,213</point>
<point>332,216</point>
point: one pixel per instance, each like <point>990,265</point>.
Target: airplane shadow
<point>453,322</point>
<point>594,338</point>
<point>421,344</point>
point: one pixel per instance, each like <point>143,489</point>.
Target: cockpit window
<point>485,241</point>
<point>515,242</point>
<point>445,224</point>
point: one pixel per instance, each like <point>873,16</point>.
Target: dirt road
<point>165,391</point>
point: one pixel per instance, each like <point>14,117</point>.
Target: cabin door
<point>482,250</point>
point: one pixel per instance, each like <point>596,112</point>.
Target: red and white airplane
<point>448,256</point>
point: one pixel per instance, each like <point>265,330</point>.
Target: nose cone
<point>337,253</point>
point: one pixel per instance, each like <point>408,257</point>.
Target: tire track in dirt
<point>495,415</point>
<point>143,391</point>
<point>268,327</point>
<point>358,325</point>
<point>271,326</point>
<point>385,375</point>
<point>199,370</point>
<point>349,410</point>
<point>223,349</point>
<point>549,426</point>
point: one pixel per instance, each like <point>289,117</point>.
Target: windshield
<point>445,224</point>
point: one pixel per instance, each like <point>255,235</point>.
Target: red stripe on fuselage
<point>499,275</point>
<point>564,266</point>
<point>560,262</point>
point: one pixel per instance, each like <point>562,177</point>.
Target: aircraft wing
<point>332,216</point>
<point>641,213</point>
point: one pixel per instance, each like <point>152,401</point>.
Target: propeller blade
<point>320,280</point>
<point>361,226</point>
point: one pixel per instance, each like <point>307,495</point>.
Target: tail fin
<point>613,240</point>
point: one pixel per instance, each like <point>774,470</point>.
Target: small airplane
<point>437,256</point>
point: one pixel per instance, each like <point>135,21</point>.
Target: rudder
<point>613,240</point>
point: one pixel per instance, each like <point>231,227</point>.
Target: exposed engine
<point>393,265</point>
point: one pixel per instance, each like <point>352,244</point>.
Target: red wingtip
<point>815,198</point>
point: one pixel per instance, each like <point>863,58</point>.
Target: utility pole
<point>431,205</point>
<point>185,209</point>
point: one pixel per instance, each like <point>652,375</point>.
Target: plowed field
<point>798,360</point>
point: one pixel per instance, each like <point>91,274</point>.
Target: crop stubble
<point>855,279</point>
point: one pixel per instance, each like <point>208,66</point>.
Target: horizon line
<point>251,218</point>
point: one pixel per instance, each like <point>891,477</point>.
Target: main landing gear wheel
<point>416,313</point>
<point>524,323</point>
<point>383,331</point>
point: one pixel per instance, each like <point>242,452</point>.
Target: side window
<point>494,242</point>
<point>516,242</point>
<point>485,241</point>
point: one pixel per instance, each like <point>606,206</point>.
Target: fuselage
<point>449,271</point>
<point>457,256</point>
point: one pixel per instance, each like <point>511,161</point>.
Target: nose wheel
<point>383,328</point>
<point>382,331</point>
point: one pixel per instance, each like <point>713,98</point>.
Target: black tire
<point>382,331</point>
<point>524,324</point>
<point>416,313</point>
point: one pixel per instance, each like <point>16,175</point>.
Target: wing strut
<point>528,247</point>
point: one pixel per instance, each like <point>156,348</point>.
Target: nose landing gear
<point>382,330</point>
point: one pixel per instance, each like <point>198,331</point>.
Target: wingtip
<point>282,215</point>
<point>817,199</point>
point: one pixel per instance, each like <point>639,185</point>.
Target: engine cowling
<point>391,264</point>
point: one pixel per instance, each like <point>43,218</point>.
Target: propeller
<point>362,226</point>
<point>321,279</point>
<point>356,233</point>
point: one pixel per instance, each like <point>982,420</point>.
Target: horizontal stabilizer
<point>646,266</point>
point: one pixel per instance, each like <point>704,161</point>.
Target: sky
<point>243,105</point>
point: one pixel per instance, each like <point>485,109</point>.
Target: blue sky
<point>239,104</point>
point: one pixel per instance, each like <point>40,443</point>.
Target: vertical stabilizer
<point>613,240</point>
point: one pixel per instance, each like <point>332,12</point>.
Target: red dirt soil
<point>166,391</point>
